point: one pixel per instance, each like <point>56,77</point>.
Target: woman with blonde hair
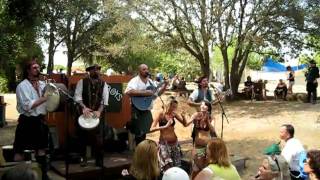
<point>169,148</point>
<point>219,166</point>
<point>144,164</point>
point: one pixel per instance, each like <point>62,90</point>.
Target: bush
<point>3,84</point>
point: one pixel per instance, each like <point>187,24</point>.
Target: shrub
<point>3,84</point>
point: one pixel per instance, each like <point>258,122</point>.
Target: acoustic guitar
<point>143,103</point>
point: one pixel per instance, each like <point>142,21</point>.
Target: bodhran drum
<point>55,97</point>
<point>88,123</point>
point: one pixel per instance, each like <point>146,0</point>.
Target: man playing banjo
<point>141,98</point>
<point>32,130</point>
<point>92,95</point>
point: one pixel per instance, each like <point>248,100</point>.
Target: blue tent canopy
<point>271,65</point>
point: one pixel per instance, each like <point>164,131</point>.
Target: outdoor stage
<point>113,165</point>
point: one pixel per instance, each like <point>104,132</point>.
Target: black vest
<point>201,96</point>
<point>92,93</point>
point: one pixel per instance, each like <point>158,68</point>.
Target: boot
<point>42,160</point>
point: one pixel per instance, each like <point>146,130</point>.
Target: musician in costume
<point>138,86</point>
<point>92,95</point>
<point>32,130</point>
<point>202,93</point>
<point>312,84</point>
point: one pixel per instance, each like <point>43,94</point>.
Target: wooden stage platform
<point>113,165</point>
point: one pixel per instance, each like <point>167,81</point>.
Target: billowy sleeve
<point>24,98</point>
<point>78,92</point>
<point>105,95</point>
<point>131,85</point>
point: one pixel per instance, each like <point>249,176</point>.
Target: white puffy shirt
<point>291,152</point>
<point>26,96</point>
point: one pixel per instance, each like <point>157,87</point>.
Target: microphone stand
<point>69,99</point>
<point>223,114</point>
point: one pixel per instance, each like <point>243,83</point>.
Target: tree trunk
<point>226,67</point>
<point>11,76</point>
<point>205,68</point>
<point>235,81</point>
<point>70,61</point>
<point>51,48</point>
<point>237,69</point>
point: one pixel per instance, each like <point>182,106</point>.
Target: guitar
<point>143,103</point>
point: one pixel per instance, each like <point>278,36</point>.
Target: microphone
<point>148,74</point>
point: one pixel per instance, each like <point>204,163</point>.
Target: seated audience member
<point>183,91</point>
<point>248,87</point>
<point>274,166</point>
<point>175,82</point>
<point>182,84</point>
<point>258,89</point>
<point>144,164</point>
<point>220,166</point>
<point>175,173</point>
<point>312,164</point>
<point>20,172</point>
<point>281,89</point>
<point>291,150</point>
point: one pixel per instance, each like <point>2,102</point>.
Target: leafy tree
<point>250,26</point>
<point>180,63</point>
<point>53,13</point>
<point>184,24</point>
<point>18,33</point>
<point>312,26</point>
<point>81,21</point>
<point>245,26</point>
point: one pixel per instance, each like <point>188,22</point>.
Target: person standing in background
<point>312,84</point>
<point>290,79</point>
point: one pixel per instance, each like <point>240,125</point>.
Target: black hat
<point>93,66</point>
<point>312,62</point>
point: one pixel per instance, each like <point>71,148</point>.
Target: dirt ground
<point>253,125</point>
